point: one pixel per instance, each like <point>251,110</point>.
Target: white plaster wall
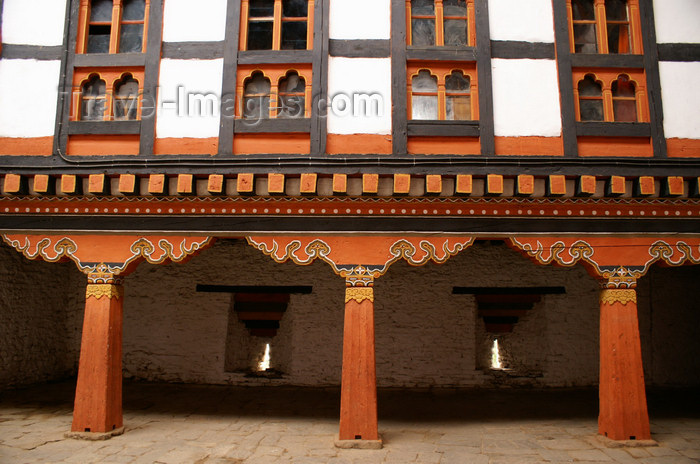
<point>41,311</point>
<point>347,79</point>
<point>680,92</point>
<point>28,97</point>
<point>360,19</point>
<point>677,21</point>
<point>188,21</point>
<point>180,79</point>
<point>521,20</point>
<point>33,22</point>
<point>526,98</point>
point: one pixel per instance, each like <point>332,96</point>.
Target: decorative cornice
<point>98,291</point>
<point>359,294</point>
<point>612,296</point>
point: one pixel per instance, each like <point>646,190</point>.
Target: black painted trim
<point>353,164</point>
<point>319,80</point>
<point>193,50</point>
<point>566,85</point>
<point>272,125</point>
<point>522,50</point>
<point>151,75</point>
<point>444,128</point>
<point>679,52</point>
<point>31,52</point>
<point>228,89</point>
<point>613,129</point>
<point>441,53</point>
<point>66,84</point>
<point>245,225</point>
<point>651,69</point>
<point>268,289</point>
<point>581,60</point>
<point>360,48</point>
<point>104,127</point>
<point>98,60</point>
<point>275,56</point>
<point>399,111</point>
<point>508,290</point>
<point>483,68</point>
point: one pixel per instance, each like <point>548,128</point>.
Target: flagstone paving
<point>227,425</point>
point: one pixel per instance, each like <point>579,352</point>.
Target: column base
<point>95,436</point>
<point>610,443</point>
<point>358,444</point>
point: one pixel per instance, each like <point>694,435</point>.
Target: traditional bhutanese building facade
<point>545,153</point>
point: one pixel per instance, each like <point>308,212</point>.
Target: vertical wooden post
<point>623,405</point>
<point>98,394</point>
<point>358,397</point>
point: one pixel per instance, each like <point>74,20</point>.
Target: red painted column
<point>623,405</point>
<point>98,394</point>
<point>358,397</point>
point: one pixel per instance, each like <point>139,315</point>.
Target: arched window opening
<point>424,96</point>
<point>618,26</point>
<point>422,23</point>
<point>100,26</point>
<point>294,24</point>
<point>584,24</point>
<point>256,97</point>
<point>93,99</point>
<point>590,95</point>
<point>292,101</point>
<point>624,99</point>
<point>458,98</point>
<point>132,25</point>
<point>126,99</point>
<point>455,22</point>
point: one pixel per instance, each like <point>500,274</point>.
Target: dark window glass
<point>131,39</point>
<point>424,101</point>
<point>624,101</point>
<point>291,96</point>
<point>260,24</point>
<point>93,101</point>
<point>422,23</point>
<point>261,8</point>
<point>618,26</point>
<point>126,99</point>
<point>133,10</point>
<point>616,10</point>
<point>583,12</point>
<point>294,35</point>
<point>455,14</point>
<point>458,100</point>
<point>101,11</point>
<point>98,38</point>
<point>256,97</point>
<point>295,8</point>
<point>590,100</point>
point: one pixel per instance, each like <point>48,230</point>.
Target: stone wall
<point>41,312</point>
<point>425,335</point>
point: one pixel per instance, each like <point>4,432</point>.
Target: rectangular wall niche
<point>254,320</point>
<point>502,307</point>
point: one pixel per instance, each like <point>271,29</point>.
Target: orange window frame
<point>116,23</point>
<point>441,71</point>
<point>633,19</point>
<point>111,76</point>
<point>275,73</point>
<point>607,77</point>
<point>277,25</point>
<point>440,18</point>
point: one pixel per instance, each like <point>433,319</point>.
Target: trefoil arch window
<point>442,94</point>
<point>256,97</point>
<point>276,24</point>
<point>292,96</point>
<point>126,99</point>
<point>611,96</point>
<point>440,23</point>
<point>604,26</point>
<point>110,95</point>
<point>274,92</point>
<point>93,99</point>
<point>112,26</point>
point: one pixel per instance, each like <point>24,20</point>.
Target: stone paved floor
<point>197,424</point>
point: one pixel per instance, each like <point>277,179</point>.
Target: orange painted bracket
<point>119,253</point>
<point>604,255</point>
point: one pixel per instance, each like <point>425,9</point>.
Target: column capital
<point>359,294</point>
<point>103,274</point>
<point>619,278</point>
<point>98,291</point>
<point>358,276</point>
<point>611,296</point>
